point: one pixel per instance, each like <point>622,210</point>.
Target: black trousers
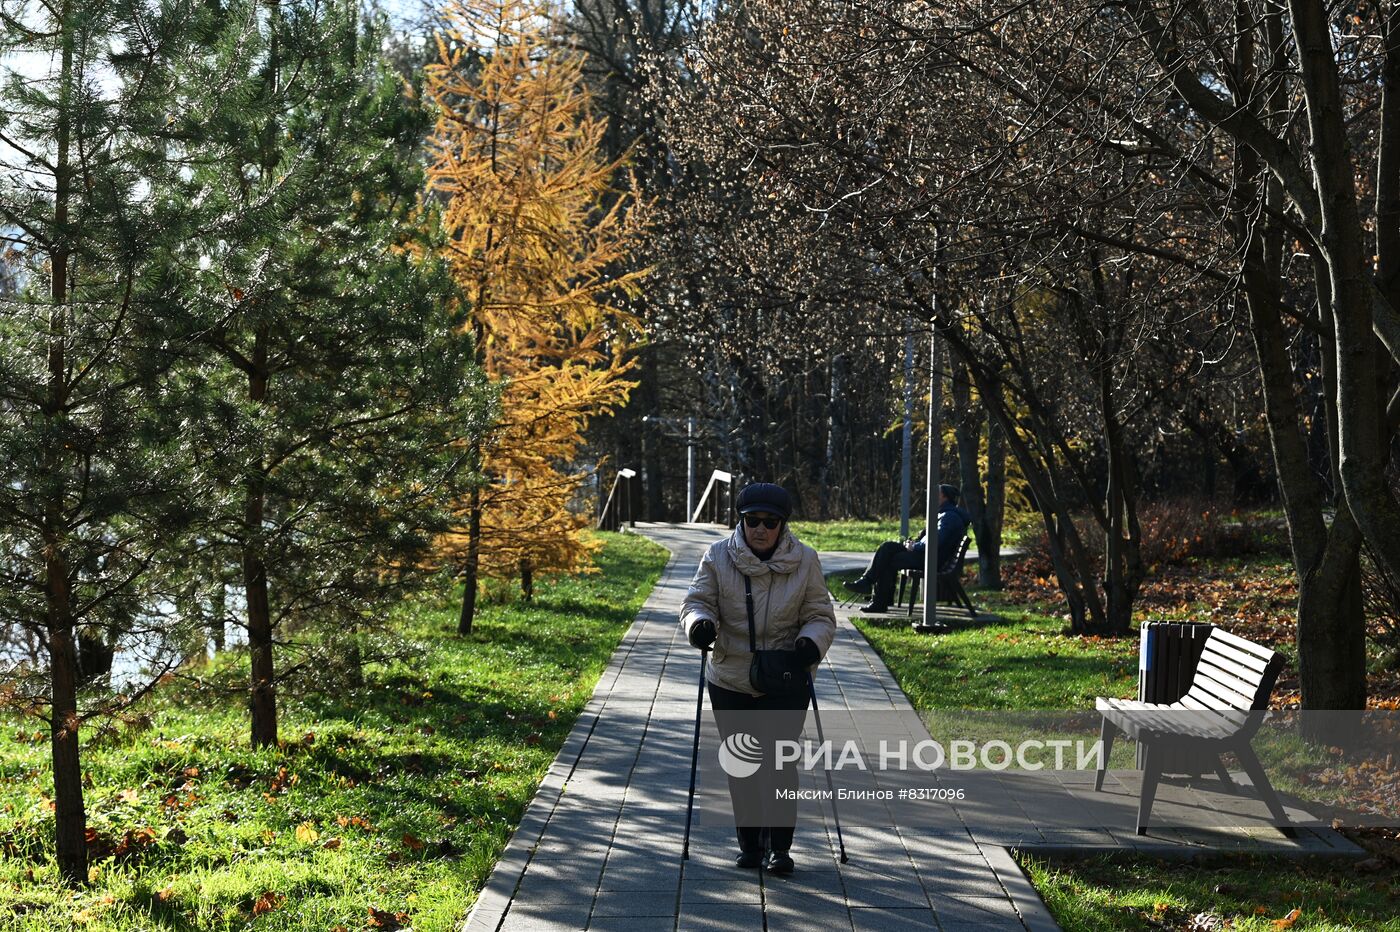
<point>891,557</point>
<point>762,820</point>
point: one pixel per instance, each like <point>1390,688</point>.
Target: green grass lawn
<point>1021,662</point>
<point>1024,662</point>
<point>387,804</point>
<point>850,534</point>
<point>866,535</point>
<point>1239,894</point>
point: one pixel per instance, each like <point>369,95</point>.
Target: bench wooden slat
<point>1239,643</point>
<point>1217,696</point>
<point>1245,680</point>
<point>1221,648</point>
<point>1248,688</point>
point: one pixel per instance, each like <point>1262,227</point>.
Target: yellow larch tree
<point>537,223</point>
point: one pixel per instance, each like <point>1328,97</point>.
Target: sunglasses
<point>755,521</point>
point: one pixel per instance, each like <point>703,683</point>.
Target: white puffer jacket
<point>790,601</point>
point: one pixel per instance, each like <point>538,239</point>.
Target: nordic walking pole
<point>812,688</point>
<point>695,755</point>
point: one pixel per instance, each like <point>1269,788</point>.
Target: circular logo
<point>740,755</point>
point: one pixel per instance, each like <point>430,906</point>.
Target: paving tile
<point>969,913</point>
<point>734,891</point>
<point>639,872</point>
<point>968,876</point>
<point>529,915</point>
<point>870,888</point>
<point>635,903</point>
<point>805,913</point>
<point>717,918</point>
<point>625,924</point>
<point>579,871</point>
<point>892,920</point>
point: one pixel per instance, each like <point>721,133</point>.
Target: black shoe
<point>749,859</point>
<point>779,863</point>
<point>874,608</point>
<point>863,586</point>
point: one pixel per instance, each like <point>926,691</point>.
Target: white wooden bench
<point>1219,714</point>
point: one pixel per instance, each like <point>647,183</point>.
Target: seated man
<point>893,555</point>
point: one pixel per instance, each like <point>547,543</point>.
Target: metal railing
<point>623,499</point>
<point>717,504</point>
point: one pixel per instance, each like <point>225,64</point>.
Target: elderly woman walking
<point>759,597</point>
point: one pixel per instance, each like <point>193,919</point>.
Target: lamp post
<point>906,452</point>
<point>930,624</point>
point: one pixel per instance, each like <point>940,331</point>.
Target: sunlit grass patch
<point>397,795</point>
<point>1240,894</point>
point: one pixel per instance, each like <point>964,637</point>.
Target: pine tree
<point>536,228</point>
<point>334,390</point>
<point>96,482</point>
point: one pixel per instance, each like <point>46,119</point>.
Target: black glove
<point>807,652</point>
<point>702,634</point>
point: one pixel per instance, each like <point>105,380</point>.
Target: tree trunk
<point>94,657</point>
<point>1363,449</point>
<point>70,817</point>
<point>1388,164</point>
<point>527,580</point>
<point>262,698</point>
<point>1332,623</point>
<point>473,564</point>
<point>1122,545</point>
<point>217,608</point>
<point>836,443</point>
<point>985,511</point>
<point>994,514</point>
<point>354,659</point>
<point>1331,626</point>
<point>647,394</point>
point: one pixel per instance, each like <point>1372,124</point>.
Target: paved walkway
<point>599,847</point>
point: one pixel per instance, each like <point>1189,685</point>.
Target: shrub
<point>1173,534</point>
<point>1381,592</point>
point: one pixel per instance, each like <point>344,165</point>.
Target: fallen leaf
<point>268,902</point>
<point>383,919</point>
<point>306,833</point>
<point>412,842</point>
<point>1287,921</point>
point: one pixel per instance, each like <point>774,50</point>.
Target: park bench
<point>1220,713</point>
<point>950,587</point>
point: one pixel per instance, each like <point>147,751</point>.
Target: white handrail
<point>718,475</point>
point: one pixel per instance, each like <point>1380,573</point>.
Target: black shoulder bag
<point>772,672</point>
